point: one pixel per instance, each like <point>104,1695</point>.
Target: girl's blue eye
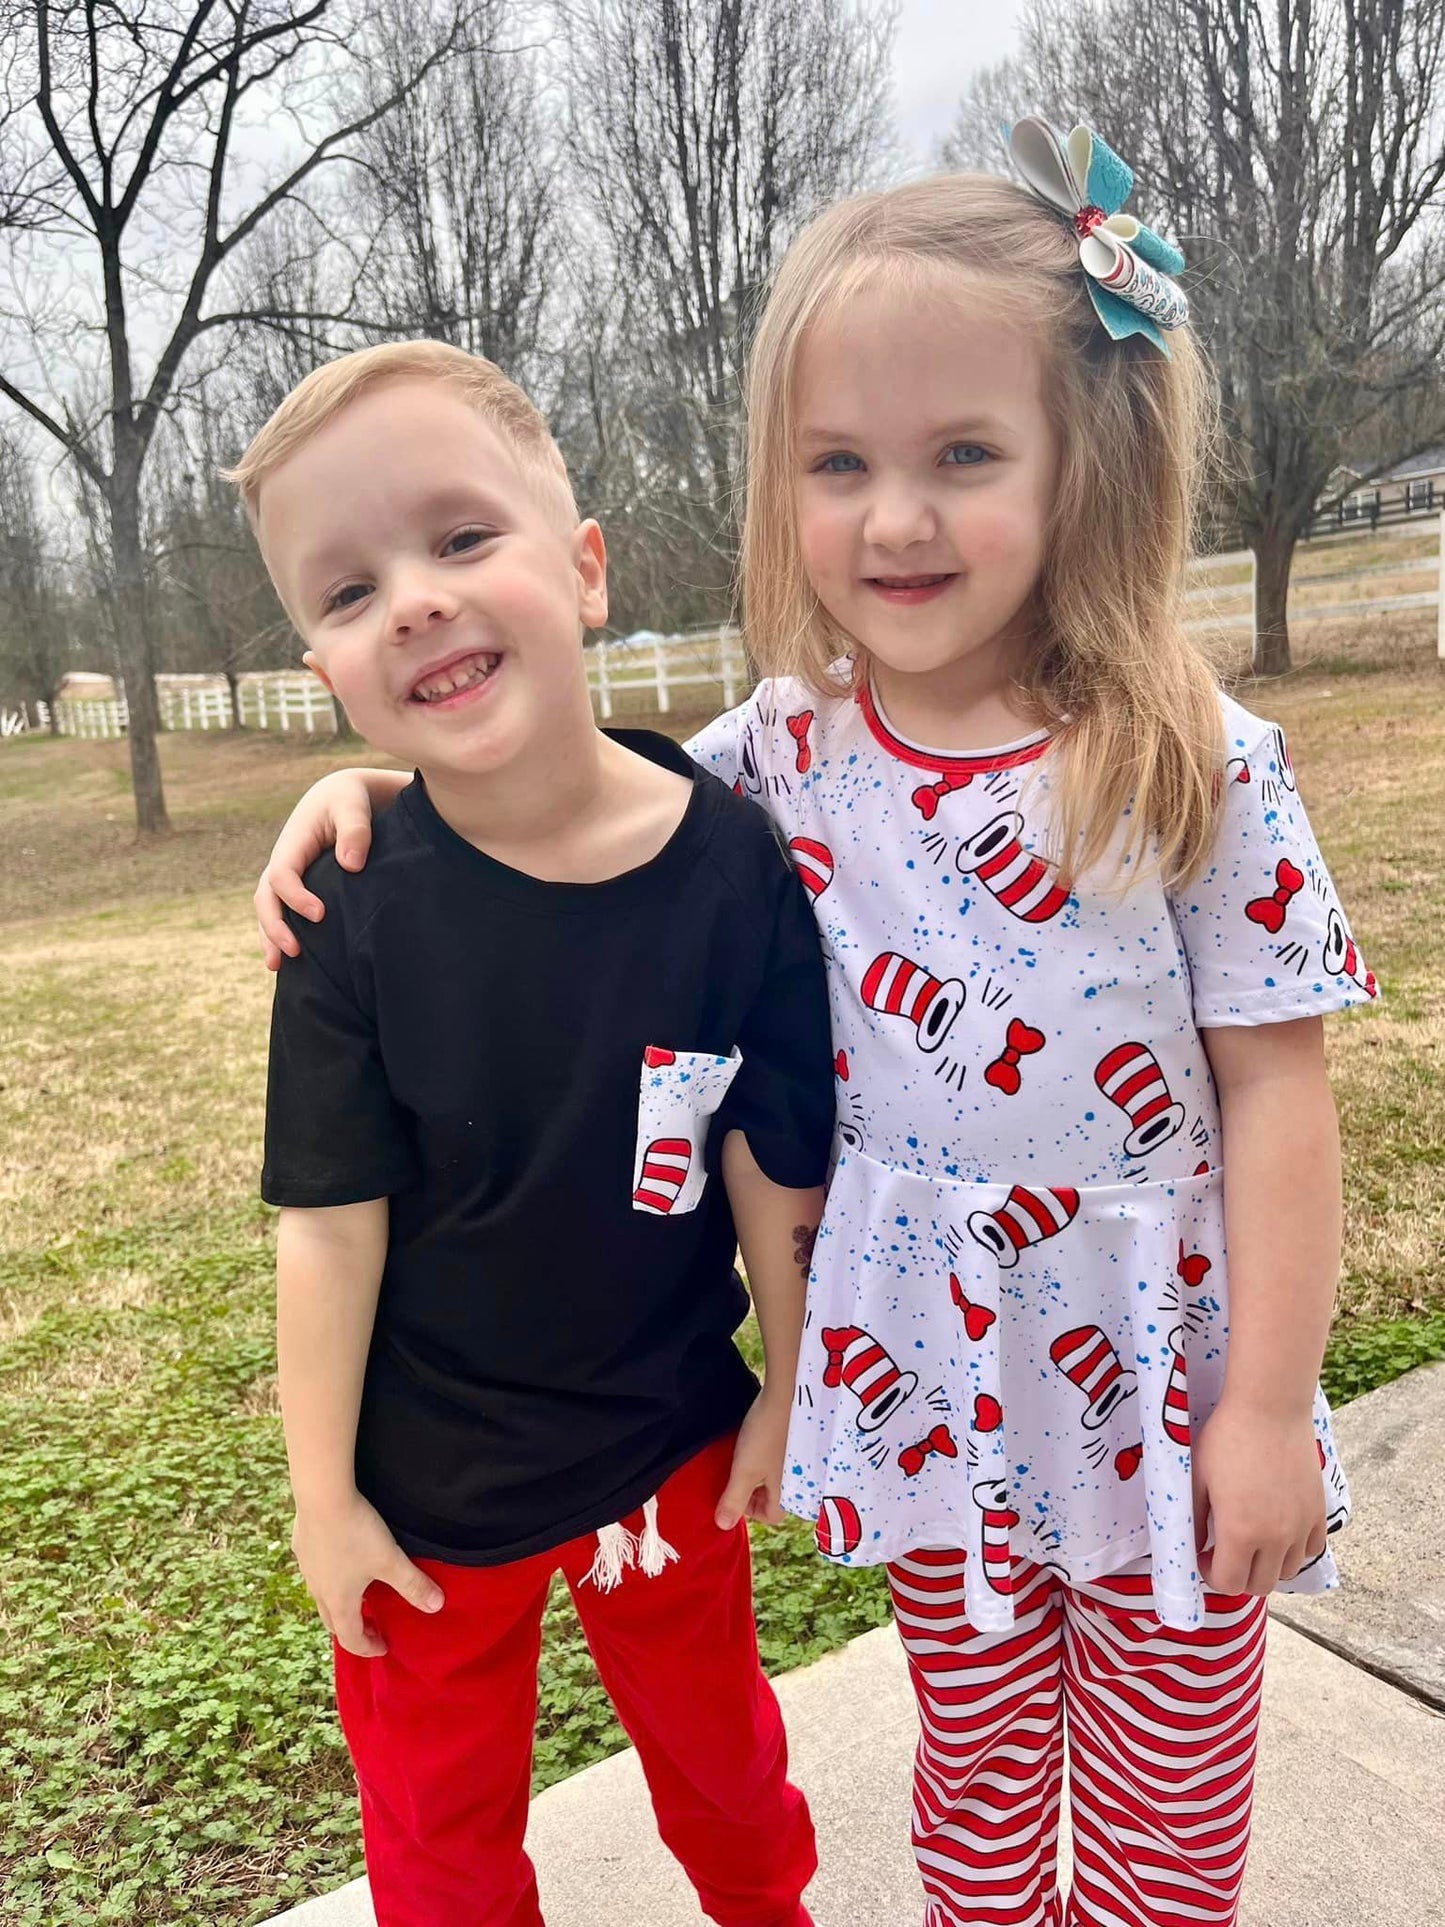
<point>965,455</point>
<point>343,597</point>
<point>839,464</point>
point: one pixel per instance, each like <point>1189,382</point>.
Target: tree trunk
<point>134,646</point>
<point>1273,559</point>
<point>233,683</point>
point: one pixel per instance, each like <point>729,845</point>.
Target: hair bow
<point>1127,267</point>
<point>1021,1041</point>
<point>1270,910</point>
<point>913,1457</point>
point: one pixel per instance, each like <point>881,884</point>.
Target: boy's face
<point>437,587</point>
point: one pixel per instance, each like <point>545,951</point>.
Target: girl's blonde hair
<point>1135,707</point>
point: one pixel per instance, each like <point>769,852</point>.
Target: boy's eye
<point>965,455</point>
<point>344,596</point>
<point>465,539</point>
<point>840,463</point>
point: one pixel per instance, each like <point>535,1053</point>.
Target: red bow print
<point>798,727</point>
<point>1126,1463</point>
<point>927,798</point>
<point>913,1457</point>
<point>1192,1269</point>
<point>987,1413</point>
<point>976,1318</point>
<point>1003,1072</point>
<point>840,1065</point>
<point>1270,910</point>
<point>655,1056</point>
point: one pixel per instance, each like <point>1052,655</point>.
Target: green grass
<point>168,1747</point>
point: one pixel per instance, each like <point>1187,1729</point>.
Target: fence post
<point>729,677</point>
<point>659,661</point>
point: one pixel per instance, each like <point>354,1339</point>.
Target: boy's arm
<point>1256,1464</point>
<point>776,1227</point>
<point>337,810</point>
<point>328,1272</point>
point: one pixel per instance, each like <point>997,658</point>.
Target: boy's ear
<point>589,557</point>
<point>313,663</point>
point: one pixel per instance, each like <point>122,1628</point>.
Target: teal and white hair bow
<point>1127,267</point>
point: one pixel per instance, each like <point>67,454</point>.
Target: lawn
<point>167,1747</point>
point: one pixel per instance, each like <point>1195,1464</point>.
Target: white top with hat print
<point>1019,1307</point>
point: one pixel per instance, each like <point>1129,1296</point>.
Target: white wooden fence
<point>644,671</point>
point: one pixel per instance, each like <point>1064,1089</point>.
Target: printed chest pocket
<point>680,1091</point>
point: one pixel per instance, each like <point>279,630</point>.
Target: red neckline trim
<point>944,765</point>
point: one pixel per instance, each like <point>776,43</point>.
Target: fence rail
<point>645,672</point>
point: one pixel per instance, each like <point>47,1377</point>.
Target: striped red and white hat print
<point>839,1530</point>
<point>1129,1076</point>
<point>1176,1391</point>
<point>896,986</point>
<point>814,863</point>
<point>1023,883</point>
<point>1026,1217</point>
<point>1087,1359</point>
<point>857,1360</point>
<point>1342,959</point>
<point>664,1172</point>
<point>991,1496</point>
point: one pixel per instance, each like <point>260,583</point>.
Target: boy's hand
<point>757,1468</point>
<point>1257,1481</point>
<point>340,1554</point>
<point>335,810</point>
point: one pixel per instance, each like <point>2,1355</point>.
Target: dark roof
<point>1430,461</point>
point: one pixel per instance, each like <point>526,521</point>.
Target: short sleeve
<point>782,1098</point>
<point>719,747</point>
<point>333,1132</point>
<point>1263,929</point>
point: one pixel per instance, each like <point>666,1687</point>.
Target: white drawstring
<point>617,1549</point>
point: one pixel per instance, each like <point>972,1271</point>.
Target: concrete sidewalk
<point>1350,1814</point>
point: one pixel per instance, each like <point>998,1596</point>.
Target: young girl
<point>1080,939</point>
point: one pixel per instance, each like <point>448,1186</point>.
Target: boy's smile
<point>437,580</point>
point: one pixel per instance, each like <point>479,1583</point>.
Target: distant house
<point>1412,487</point>
<point>85,686</point>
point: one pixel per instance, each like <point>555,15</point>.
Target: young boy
<point>563,1037</point>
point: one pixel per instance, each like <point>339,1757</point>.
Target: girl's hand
<point>340,1553</point>
<point>335,810</point>
<point>1257,1482</point>
<point>757,1469</point>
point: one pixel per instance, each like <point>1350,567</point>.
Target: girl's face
<point>926,470</point>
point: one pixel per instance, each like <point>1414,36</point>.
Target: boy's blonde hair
<point>1135,706</point>
<point>479,382</point>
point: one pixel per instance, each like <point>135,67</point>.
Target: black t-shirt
<point>539,1075</point>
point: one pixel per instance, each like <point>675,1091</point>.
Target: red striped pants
<point>1162,1727</point>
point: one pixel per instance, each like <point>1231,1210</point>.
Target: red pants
<point>1162,1727</point>
<point>440,1729</point>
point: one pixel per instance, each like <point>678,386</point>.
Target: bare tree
<point>124,135</point>
<point>33,651</point>
<point>460,183</point>
<point>704,132</point>
<point>1298,151</point>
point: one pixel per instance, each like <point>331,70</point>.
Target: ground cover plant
<point>167,1747</point>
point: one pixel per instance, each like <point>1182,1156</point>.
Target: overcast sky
<point>940,43</point>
